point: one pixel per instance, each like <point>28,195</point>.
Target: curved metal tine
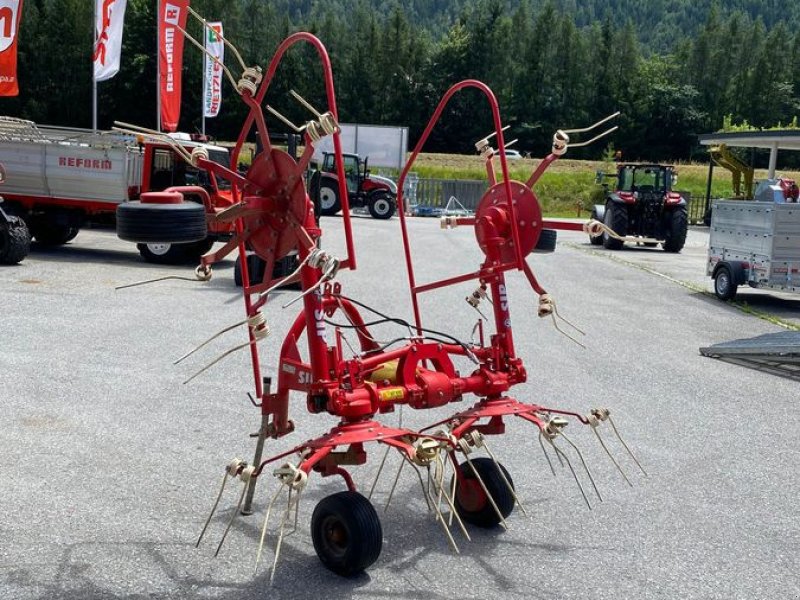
<point>564,333</point>
<point>394,485</point>
<point>494,133</point>
<point>280,536</point>
<point>130,128</point>
<point>583,462</point>
<point>437,514</point>
<point>219,358</point>
<point>619,437</point>
<point>286,121</point>
<point>569,464</point>
<point>296,512</point>
<point>547,456</point>
<point>486,491</point>
<point>594,139</point>
<point>305,103</point>
<point>266,523</point>
<point>207,53</point>
<point>600,122</point>
<point>613,460</point>
<point>233,518</point>
<point>453,488</point>
<point>209,340</point>
<point>510,487</point>
<point>378,474</point>
<point>575,327</point>
<point>224,40</point>
<point>451,504</point>
<point>156,280</point>
<point>213,509</point>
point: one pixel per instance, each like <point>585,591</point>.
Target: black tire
<point>329,202</point>
<point>382,206</point>
<point>196,249</point>
<point>547,241</point>
<point>650,244</point>
<point>161,253</point>
<point>147,223</point>
<point>15,240</point>
<point>616,218</point>
<point>676,226</point>
<point>255,269</point>
<point>724,284</point>
<point>347,533</point>
<point>595,240</point>
<point>52,234</point>
<point>471,502</point>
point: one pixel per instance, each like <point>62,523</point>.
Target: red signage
<point>10,13</point>
<point>172,15</point>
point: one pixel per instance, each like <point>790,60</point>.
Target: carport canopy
<point>779,139</point>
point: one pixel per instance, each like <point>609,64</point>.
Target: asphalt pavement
<point>111,464</point>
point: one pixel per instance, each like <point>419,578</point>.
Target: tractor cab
<point>355,170</point>
<point>645,178</point>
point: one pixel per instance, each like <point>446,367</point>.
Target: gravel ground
<point>111,464</point>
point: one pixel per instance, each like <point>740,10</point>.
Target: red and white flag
<point>108,37</point>
<point>10,14</point>
<point>170,56</point>
<point>212,82</point>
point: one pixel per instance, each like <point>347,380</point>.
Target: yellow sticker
<point>387,395</point>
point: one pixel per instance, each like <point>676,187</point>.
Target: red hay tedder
<point>273,215</point>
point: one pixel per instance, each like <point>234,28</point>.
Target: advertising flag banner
<point>108,40</point>
<point>172,13</point>
<point>212,82</point>
<point>10,14</point>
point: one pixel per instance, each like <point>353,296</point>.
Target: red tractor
<point>378,194</point>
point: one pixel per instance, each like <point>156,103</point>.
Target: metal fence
<point>436,193</point>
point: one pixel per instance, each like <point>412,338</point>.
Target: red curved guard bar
<point>503,166</point>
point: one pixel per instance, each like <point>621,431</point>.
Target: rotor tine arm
<point>583,462</point>
<point>233,518</point>
<point>613,460</point>
<point>279,543</point>
<point>213,509</point>
<point>286,121</point>
<point>594,139</point>
<point>305,103</point>
<point>550,464</point>
<point>266,523</point>
<point>451,503</point>
<point>619,437</point>
<point>378,474</point>
<point>437,512</point>
<point>207,53</point>
<point>569,464</point>
<point>600,122</point>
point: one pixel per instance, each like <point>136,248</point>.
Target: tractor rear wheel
<point>616,219</point>
<point>676,226</point>
<point>347,533</point>
<point>471,500</point>
<point>15,240</point>
<point>382,206</point>
<point>329,203</point>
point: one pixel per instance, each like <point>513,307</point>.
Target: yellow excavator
<point>723,157</point>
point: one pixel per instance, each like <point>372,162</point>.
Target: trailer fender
<point>737,269</point>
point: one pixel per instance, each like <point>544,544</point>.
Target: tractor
<point>642,208</point>
<point>378,194</point>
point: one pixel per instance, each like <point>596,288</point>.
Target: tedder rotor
<point>273,215</point>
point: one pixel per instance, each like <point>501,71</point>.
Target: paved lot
<point>110,464</point>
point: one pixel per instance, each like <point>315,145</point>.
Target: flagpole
<point>158,65</point>
<point>205,83</point>
<point>94,79</point>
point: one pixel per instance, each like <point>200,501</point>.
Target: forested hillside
<point>673,67</point>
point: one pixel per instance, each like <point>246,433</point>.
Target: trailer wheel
<point>616,218</point>
<point>382,206</point>
<point>53,234</point>
<point>471,500</point>
<point>329,203</point>
<point>676,227</point>
<point>347,533</point>
<point>152,223</point>
<point>255,270</point>
<point>595,240</point>
<point>15,241</point>
<point>547,241</point>
<point>724,284</point>
<point>163,254</point>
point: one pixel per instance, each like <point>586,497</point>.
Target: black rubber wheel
<point>161,223</point>
<point>616,218</point>
<point>471,501</point>
<point>382,206</point>
<point>161,253</point>
<point>48,233</point>
<point>196,249</point>
<point>15,240</point>
<point>595,240</point>
<point>347,533</point>
<point>724,284</point>
<point>255,269</point>
<point>329,203</point>
<point>676,226</point>
<point>547,241</point>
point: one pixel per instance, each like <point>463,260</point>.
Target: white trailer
<point>756,244</point>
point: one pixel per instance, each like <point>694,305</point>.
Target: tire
<point>329,203</point>
<point>150,223</point>
<point>595,240</point>
<point>724,284</point>
<point>255,269</point>
<point>15,240</point>
<point>163,253</point>
<point>676,227</point>
<point>347,533</point>
<point>52,234</point>
<point>547,241</point>
<point>196,249</point>
<point>616,218</point>
<point>471,502</point>
<point>382,206</point>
